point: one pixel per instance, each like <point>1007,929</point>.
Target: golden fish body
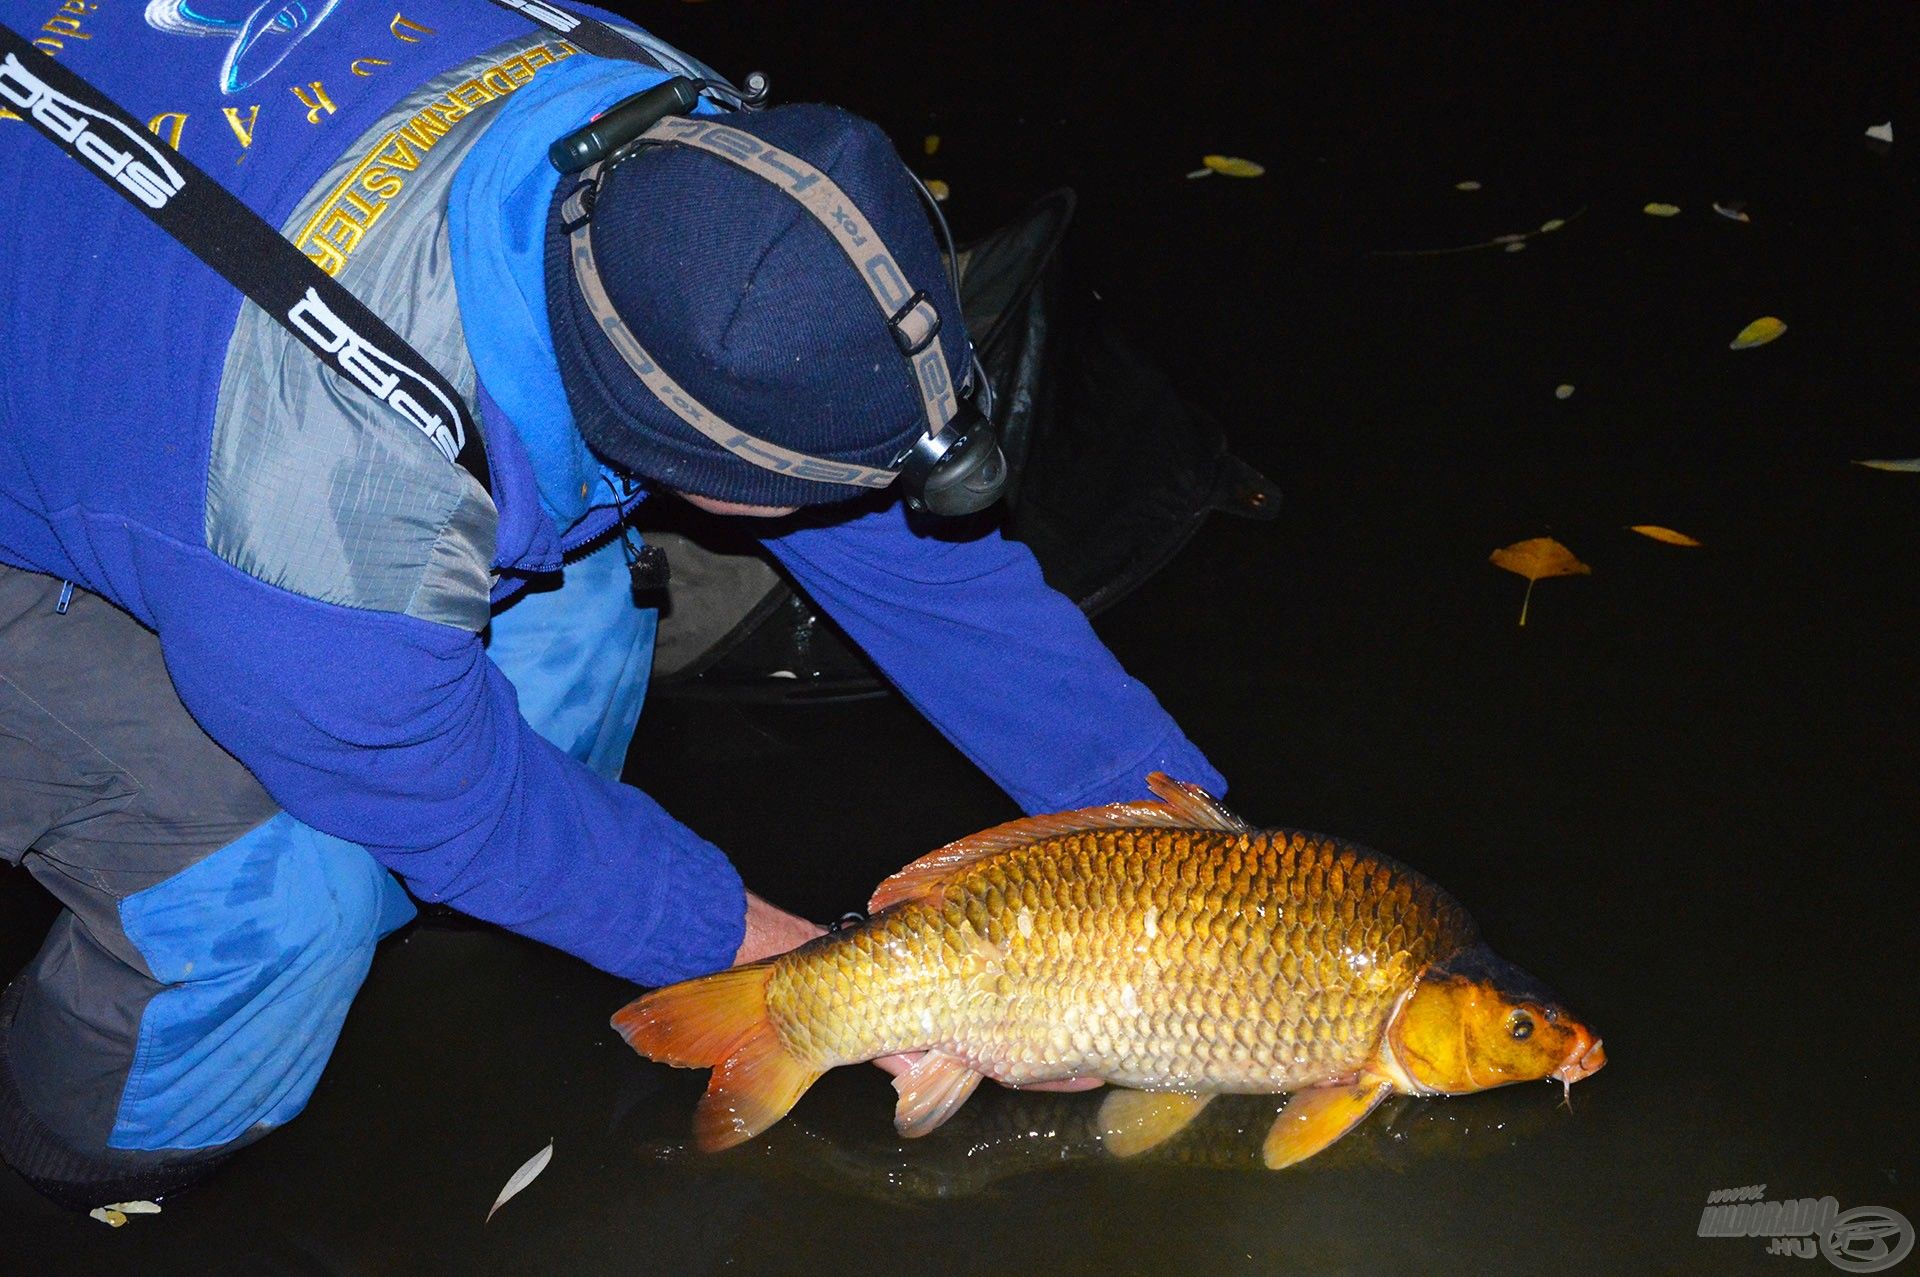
<point>1165,946</point>
<point>1161,959</point>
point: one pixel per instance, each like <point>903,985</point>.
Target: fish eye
<point>1520,1025</point>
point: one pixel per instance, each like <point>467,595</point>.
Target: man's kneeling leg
<point>122,1080</point>
<point>189,994</point>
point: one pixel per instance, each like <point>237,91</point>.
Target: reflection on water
<point>1001,1135</point>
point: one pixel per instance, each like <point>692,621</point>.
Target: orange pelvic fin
<point>931,1092</point>
<point>1316,1118</point>
<point>1184,807</point>
<point>1131,1122</point>
<point>720,1022</point>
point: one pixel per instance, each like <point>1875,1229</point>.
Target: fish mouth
<point>1583,1061</point>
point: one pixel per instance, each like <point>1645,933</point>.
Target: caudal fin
<point>720,1022</point>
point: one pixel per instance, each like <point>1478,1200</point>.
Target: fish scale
<point>1158,958</point>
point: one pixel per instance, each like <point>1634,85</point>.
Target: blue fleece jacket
<point>396,732</point>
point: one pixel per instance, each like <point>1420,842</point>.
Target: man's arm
<point>401,735</point>
<point>1005,666</point>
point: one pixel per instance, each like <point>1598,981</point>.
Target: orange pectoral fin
<point>1316,1118</point>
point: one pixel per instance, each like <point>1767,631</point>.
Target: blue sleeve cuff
<point>701,919</point>
<point>1173,754</point>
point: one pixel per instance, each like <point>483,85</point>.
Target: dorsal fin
<point>1184,806</point>
<point>1196,808</point>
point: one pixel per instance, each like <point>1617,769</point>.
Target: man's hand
<point>771,931</point>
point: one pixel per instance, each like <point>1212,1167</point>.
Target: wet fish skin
<point>1163,959</point>
<point>1167,946</point>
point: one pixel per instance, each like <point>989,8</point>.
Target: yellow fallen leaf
<point>108,1216</point>
<point>1659,533</point>
<point>1518,246</point>
<point>1662,210</point>
<point>1758,333</point>
<point>938,189</point>
<point>1549,227</point>
<point>1232,166</point>
<point>932,143</point>
<point>1563,391</point>
<point>1537,559</point>
<point>1910,466</point>
<point>1466,186</point>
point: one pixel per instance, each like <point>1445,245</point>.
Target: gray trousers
<point>144,829</point>
<point>188,997</point>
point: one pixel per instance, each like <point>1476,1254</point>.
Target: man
<point>263,646</point>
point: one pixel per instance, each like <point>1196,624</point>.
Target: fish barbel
<point>1164,946</point>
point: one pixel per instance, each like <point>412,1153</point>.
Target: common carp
<point>1168,947</point>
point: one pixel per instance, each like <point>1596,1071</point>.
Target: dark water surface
<point>1685,794</point>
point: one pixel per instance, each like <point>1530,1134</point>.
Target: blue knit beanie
<point>749,304</point>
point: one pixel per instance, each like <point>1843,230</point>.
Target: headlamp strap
<point>820,196</point>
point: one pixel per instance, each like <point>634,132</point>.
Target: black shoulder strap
<point>238,243</point>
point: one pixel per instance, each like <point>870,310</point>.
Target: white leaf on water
<point>1881,132</point>
<point>135,1208</point>
<point>523,1177</point>
<point>1910,466</point>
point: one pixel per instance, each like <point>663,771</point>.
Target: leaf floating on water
<point>1550,226</point>
<point>1200,172</point>
<point>931,144</point>
<point>1734,211</point>
<point>1563,391</point>
<point>1507,239</point>
<point>1537,559</point>
<point>1882,132</point>
<point>1662,210</point>
<point>1466,186</point>
<point>1232,166</point>
<point>1910,466</point>
<point>1758,333</point>
<point>527,1173</point>
<point>136,1208</point>
<point>1518,246</point>
<point>108,1216</point>
<point>1659,533</point>
<point>938,189</point>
